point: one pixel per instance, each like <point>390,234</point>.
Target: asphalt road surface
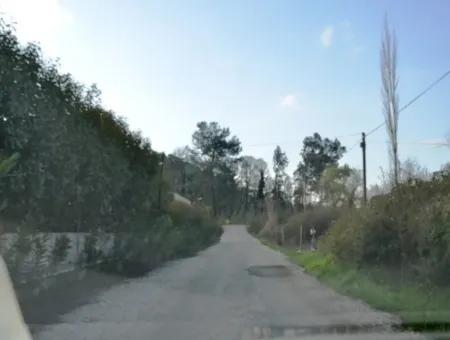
<point>223,293</point>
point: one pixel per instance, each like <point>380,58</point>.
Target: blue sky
<point>272,71</point>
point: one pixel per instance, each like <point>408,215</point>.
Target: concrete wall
<point>46,268</point>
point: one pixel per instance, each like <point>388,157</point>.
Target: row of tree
<point>69,165</point>
<point>233,185</point>
<point>78,167</point>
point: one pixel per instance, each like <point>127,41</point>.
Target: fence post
<point>301,237</point>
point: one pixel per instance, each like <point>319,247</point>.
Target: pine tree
<point>260,193</point>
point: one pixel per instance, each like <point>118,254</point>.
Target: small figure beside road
<point>312,233</point>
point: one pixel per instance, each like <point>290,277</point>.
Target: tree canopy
<point>338,185</point>
<point>317,153</point>
<point>218,151</point>
<point>214,142</point>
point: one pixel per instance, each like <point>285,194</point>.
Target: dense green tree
<point>260,195</point>
<point>80,166</point>
<point>248,177</point>
<point>82,169</point>
<point>317,154</point>
<point>217,149</point>
<point>338,186</point>
<point>280,162</point>
<point>215,142</point>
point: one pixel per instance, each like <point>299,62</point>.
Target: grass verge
<point>421,306</point>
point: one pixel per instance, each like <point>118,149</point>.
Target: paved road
<point>213,296</point>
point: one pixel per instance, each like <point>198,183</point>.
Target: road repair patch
<point>269,271</point>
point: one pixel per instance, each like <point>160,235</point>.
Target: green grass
<point>414,302</point>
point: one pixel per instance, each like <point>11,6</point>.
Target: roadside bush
<point>91,253</point>
<point>60,249</point>
<point>434,244</point>
<point>27,257</point>
<point>38,261</point>
<point>344,238</point>
<point>256,223</point>
<point>321,218</point>
<point>137,252</point>
<point>407,230</point>
<point>196,226</point>
<point>81,169</point>
<point>253,219</point>
<point>17,252</point>
<point>74,154</point>
<point>181,232</point>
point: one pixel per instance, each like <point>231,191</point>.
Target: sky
<point>273,72</point>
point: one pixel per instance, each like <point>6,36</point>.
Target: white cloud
<point>289,101</point>
<point>37,20</point>
<point>327,35</point>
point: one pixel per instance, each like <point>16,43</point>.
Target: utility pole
<point>161,172</point>
<point>363,146</point>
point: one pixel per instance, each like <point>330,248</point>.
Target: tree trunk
<point>183,181</point>
<point>213,189</point>
<point>246,198</point>
<point>161,182</point>
<point>395,152</point>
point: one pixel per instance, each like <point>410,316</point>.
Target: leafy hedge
<point>407,230</point>
<point>181,232</point>
<point>69,165</point>
<point>321,218</point>
<point>80,167</point>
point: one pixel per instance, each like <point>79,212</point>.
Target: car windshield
<point>175,169</point>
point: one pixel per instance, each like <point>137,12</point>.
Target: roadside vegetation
<point>75,179</point>
<point>393,250</point>
<point>421,307</point>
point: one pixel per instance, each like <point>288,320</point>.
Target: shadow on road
<point>67,292</point>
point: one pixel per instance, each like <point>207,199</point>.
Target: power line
<point>349,135</point>
<point>423,92</point>
<point>418,143</point>
<point>353,146</point>
<point>424,143</point>
<point>404,107</point>
<point>295,141</point>
<point>272,143</point>
<point>433,84</point>
<point>375,129</point>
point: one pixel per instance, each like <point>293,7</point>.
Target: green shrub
<point>135,253</point>
<point>17,253</point>
<point>196,226</point>
<point>321,218</point>
<point>182,231</point>
<point>256,223</point>
<point>91,253</point>
<point>344,238</point>
<point>60,249</point>
<point>39,261</point>
<point>407,230</point>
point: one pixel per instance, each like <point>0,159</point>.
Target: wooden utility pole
<point>161,173</point>
<point>301,237</point>
<point>363,146</point>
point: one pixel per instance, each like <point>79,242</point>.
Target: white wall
<point>76,247</point>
